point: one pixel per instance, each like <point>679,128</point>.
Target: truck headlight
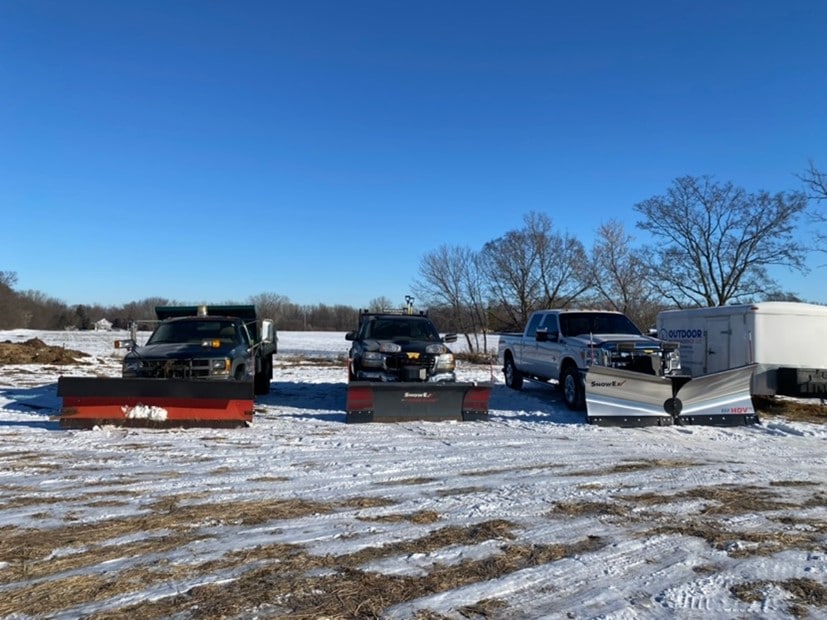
<point>445,362</point>
<point>373,359</point>
<point>436,349</point>
<point>132,366</point>
<point>221,366</point>
<point>389,347</point>
<point>673,360</point>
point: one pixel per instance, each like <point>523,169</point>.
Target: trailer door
<point>718,335</point>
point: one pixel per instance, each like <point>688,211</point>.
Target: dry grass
<point>52,571</point>
<point>803,592</point>
<point>636,465</point>
<point>421,517</point>
<point>288,587</point>
<point>795,411</point>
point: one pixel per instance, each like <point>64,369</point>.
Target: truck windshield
<point>391,329</point>
<point>579,323</point>
<point>192,332</point>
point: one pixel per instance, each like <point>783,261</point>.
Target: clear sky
<point>209,151</point>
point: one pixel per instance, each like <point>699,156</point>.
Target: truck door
<point>718,337</point>
<point>548,352</point>
<point>529,355</point>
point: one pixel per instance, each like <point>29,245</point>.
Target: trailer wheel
<point>572,388</point>
<point>513,377</point>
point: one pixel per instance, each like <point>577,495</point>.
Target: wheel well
<point>567,363</point>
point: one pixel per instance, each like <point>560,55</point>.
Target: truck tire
<point>261,380</point>
<point>513,377</point>
<point>572,388</point>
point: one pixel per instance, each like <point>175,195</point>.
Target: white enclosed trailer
<point>786,340</point>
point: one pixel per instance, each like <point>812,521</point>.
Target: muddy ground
<point>35,351</point>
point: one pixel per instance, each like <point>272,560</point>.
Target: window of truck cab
<point>533,323</point>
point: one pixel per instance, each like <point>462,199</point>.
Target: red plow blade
<point>154,403</point>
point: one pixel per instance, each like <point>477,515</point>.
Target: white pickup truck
<point>561,345</point>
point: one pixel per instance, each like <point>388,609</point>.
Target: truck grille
<point>176,369</point>
<point>397,362</point>
<point>638,362</point>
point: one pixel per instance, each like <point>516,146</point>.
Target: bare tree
<point>271,305</point>
<point>715,241</point>
<point>382,304</point>
<point>618,275</point>
<point>450,277</point>
<point>534,267</point>
<point>816,183</point>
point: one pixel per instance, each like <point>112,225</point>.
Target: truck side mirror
<point>450,338</point>
<point>268,331</point>
<point>350,336</point>
<point>541,335</point>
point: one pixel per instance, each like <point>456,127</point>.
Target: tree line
<point>705,243</point>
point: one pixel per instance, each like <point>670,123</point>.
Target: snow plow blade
<point>405,401</point>
<point>624,398</point>
<point>154,403</point>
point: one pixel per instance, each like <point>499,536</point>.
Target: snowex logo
<point>418,397</point>
<point>606,384</point>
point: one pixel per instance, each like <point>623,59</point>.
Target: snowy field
<point>532,514</point>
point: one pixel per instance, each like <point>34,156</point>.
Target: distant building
<point>103,326</point>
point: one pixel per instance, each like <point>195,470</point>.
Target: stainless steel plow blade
<point>625,398</point>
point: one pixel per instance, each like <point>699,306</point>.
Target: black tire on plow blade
<point>154,403</point>
<point>405,401</point>
<point>616,397</point>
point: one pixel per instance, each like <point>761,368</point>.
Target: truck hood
<point>178,351</point>
<point>607,340</point>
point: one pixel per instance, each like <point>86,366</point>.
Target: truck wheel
<point>513,377</point>
<point>572,388</point>
<point>261,380</point>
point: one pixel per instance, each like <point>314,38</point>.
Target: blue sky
<point>210,151</point>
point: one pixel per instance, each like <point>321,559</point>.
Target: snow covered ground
<point>532,514</point>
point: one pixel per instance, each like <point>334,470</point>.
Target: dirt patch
<point>796,411</point>
<point>35,351</point>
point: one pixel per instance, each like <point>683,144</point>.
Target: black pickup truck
<point>402,346</point>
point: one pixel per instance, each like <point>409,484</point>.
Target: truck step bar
<point>369,401</point>
<point>154,403</point>
<point>623,398</point>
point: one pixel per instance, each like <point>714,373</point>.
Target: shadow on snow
<point>40,404</point>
